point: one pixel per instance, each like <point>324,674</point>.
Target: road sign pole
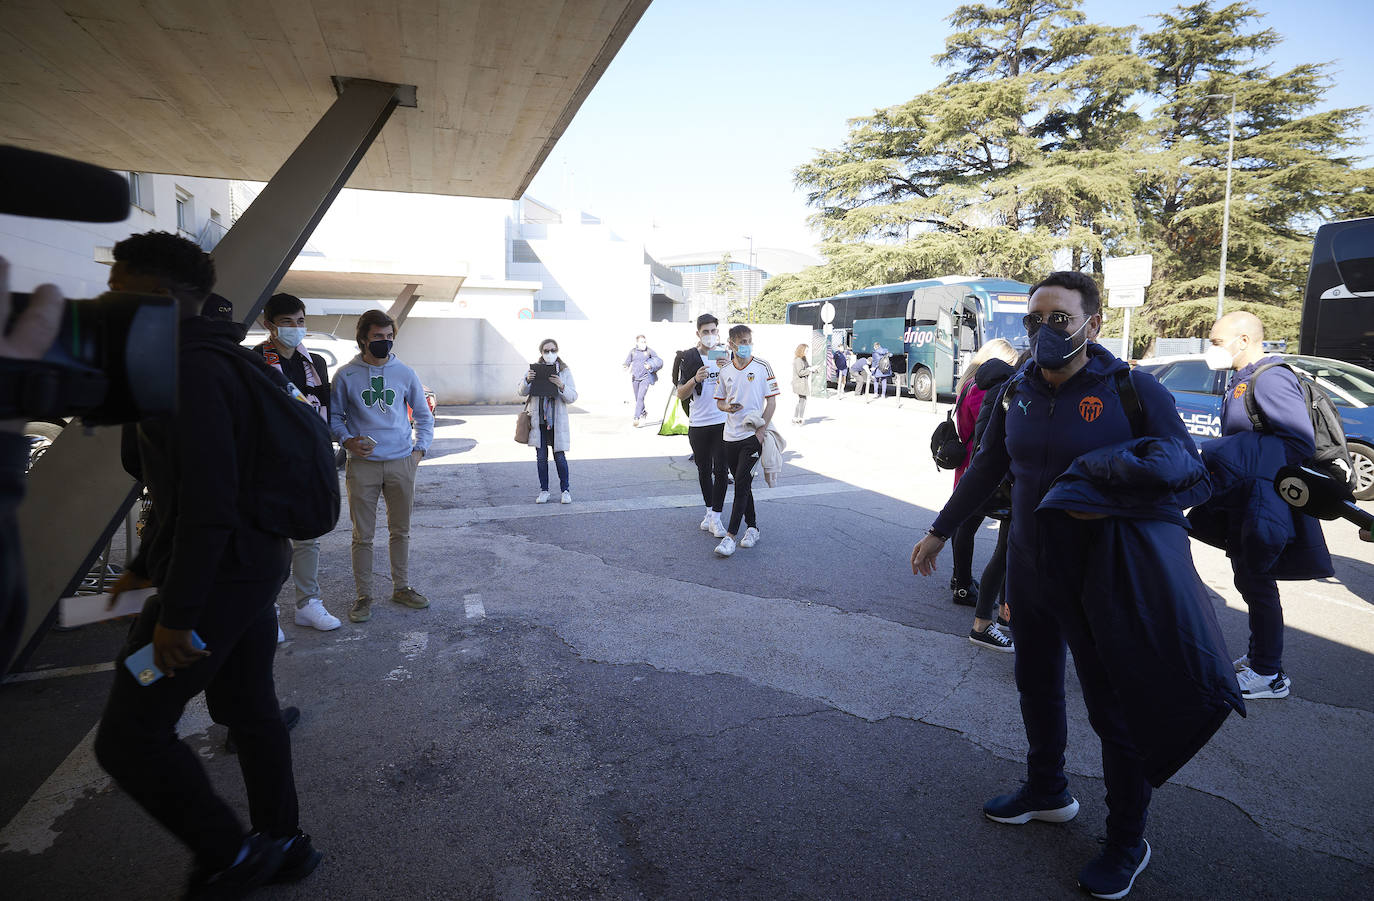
<point>1126,340</point>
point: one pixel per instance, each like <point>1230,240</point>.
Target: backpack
<point>885,364</point>
<point>1332,456</point>
<point>946,447</point>
<point>292,477</point>
<point>688,362</point>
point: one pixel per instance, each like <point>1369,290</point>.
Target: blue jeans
<point>541,462</point>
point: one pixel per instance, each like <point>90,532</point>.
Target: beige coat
<point>560,411</point>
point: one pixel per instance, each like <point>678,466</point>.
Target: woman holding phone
<point>549,417</point>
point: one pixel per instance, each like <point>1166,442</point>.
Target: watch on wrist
<point>934,534</point>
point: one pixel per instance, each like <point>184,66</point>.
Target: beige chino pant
<point>366,481</point>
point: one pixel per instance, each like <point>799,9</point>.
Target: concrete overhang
<point>370,285</point>
<point>229,90</point>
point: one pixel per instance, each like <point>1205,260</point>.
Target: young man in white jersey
<point>706,429</point>
<point>747,392</point>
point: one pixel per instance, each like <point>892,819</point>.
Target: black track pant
<point>741,456</point>
<point>137,741</point>
<point>708,449</point>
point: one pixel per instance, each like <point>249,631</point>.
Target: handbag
<point>946,447</point>
<point>523,425</point>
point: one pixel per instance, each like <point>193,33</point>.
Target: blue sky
<point>690,138</point>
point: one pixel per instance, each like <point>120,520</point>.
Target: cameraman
<point>28,340</point>
<point>217,575</point>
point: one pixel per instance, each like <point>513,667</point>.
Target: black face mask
<point>1054,349</point>
<point>380,349</point>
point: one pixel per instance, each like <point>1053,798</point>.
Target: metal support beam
<point>405,301</point>
<point>78,492</point>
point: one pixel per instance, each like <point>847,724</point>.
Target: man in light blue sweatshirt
<point>368,416</point>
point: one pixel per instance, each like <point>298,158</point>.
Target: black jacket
<point>193,465</point>
<point>991,375</point>
<point>294,371</point>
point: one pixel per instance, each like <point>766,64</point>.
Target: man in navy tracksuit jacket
<point>1065,404</point>
<point>1238,344</point>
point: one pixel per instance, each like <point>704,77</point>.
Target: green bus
<point>931,327</point>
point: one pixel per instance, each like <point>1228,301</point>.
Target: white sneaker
<point>281,636</point>
<point>706,522</point>
<point>315,616</point>
<point>726,547</point>
<point>750,537</point>
<point>718,529</point>
<point>1254,686</point>
<point>543,498</point>
<point>567,498</point>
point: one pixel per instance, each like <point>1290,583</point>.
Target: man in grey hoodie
<point>368,416</point>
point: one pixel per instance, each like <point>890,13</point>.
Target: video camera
<point>114,359</point>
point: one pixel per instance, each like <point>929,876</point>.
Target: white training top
<point>704,410</point>
<point>749,387</point>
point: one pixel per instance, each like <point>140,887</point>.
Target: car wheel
<point>1363,458</point>
<point>922,384</point>
<point>41,435</point>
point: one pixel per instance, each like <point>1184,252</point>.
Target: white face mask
<point>1219,356</point>
<point>290,335</point>
<point>550,357</point>
<point>709,341</point>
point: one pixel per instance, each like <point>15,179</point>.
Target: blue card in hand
<point>140,662</point>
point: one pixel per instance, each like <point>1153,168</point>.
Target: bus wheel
<point>922,384</point>
<point>1363,458</point>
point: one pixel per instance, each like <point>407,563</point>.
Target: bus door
<point>1338,306</point>
<point>946,343</point>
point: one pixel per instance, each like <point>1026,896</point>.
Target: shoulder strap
<point>1007,395</point>
<point>1130,402</point>
<point>1252,407</point>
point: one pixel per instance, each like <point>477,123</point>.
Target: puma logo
<point>1024,405</point>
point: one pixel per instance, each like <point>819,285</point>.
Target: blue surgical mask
<point>290,335</point>
<point>1054,349</point>
<point>744,351</point>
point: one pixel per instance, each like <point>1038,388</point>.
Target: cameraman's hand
<point>173,650</point>
<point>33,334</point>
<point>1367,534</point>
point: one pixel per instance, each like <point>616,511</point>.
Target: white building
<point>75,256</point>
<point>751,268</point>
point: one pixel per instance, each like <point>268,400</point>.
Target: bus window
<point>1338,305</point>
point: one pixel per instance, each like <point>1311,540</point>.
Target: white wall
<point>64,253</point>
<point>476,361</point>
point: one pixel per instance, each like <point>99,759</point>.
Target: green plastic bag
<point>675,422</point>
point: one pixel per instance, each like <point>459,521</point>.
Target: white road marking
<point>629,504</point>
<point>59,672</point>
<point>473,603</point>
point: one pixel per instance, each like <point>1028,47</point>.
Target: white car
<point>335,350</point>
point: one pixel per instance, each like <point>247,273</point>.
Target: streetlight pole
<point>1226,208</point>
<point>750,303</point>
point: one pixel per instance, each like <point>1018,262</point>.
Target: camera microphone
<point>43,186</point>
<point>1317,494</point>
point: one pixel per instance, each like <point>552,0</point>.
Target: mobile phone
<point>371,442</point>
<point>140,663</point>
<point>717,353</point>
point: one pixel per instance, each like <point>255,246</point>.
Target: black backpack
<point>885,364</point>
<point>685,367</point>
<point>1332,455</point>
<point>292,477</point>
<point>946,447</point>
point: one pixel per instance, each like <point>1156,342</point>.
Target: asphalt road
<point>594,706</point>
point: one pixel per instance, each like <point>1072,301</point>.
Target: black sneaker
<point>993,639</point>
<point>289,715</point>
<point>967,596</point>
<point>1112,873</point>
<point>257,868</point>
<point>1022,807</point>
<point>299,858</point>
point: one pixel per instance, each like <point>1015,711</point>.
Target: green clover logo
<point>379,394</point>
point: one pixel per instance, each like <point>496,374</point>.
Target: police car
<point>1198,391</point>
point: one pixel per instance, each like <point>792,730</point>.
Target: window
<point>550,306</point>
<point>186,214</point>
<point>522,252</point>
<point>1189,375</point>
<point>141,191</point>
